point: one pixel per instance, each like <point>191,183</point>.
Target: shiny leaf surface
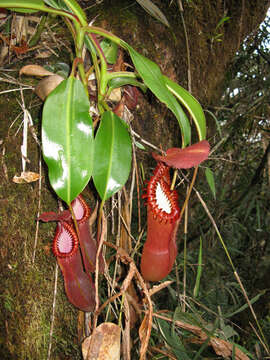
<point>67,137</point>
<point>191,104</point>
<point>122,81</point>
<point>154,80</point>
<point>24,6</point>
<point>112,155</point>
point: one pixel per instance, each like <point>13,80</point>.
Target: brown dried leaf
<point>224,348</point>
<point>26,177</point>
<point>80,326</point>
<point>220,346</point>
<point>143,327</point>
<point>115,95</point>
<point>35,70</point>
<point>43,54</point>
<point>103,344</point>
<point>126,343</point>
<point>47,85</point>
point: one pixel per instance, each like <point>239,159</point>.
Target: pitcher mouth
<point>162,201</point>
<point>81,209</point>
<point>65,242</point>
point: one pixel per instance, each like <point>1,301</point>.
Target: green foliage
<point>191,104</point>
<point>217,36</point>
<point>67,139</point>
<point>154,11</point>
<point>211,181</point>
<point>69,152</point>
<point>110,50</point>
<point>122,81</point>
<point>154,80</point>
<point>199,272</point>
<point>28,6</point>
<point>57,4</point>
<point>173,340</point>
<point>112,157</point>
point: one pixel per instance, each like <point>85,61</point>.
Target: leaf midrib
<point>110,157</point>
<point>68,134</point>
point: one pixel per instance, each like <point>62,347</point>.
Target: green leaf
<point>244,350</point>
<point>191,104</point>
<point>199,271</point>
<point>112,158</point>
<point>59,68</point>
<point>211,181</point>
<point>110,50</point>
<point>228,332</point>
<point>139,145</point>
<point>24,6</point>
<point>57,4</point>
<point>122,81</point>
<point>67,138</point>
<point>173,340</point>
<point>222,21</point>
<point>245,306</point>
<point>70,6</point>
<point>77,10</point>
<point>155,81</point>
<point>89,45</point>
<point>154,11</point>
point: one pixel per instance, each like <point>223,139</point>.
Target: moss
<point>27,289</point>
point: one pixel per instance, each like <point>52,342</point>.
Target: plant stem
<point>116,74</point>
<point>79,47</point>
<point>37,7</point>
<point>77,10</point>
<point>106,34</point>
<point>38,32</point>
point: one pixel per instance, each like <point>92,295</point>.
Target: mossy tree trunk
<point>27,287</point>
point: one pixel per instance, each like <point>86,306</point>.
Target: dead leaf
<point>43,54</point>
<point>80,326</point>
<point>224,348</point>
<point>220,346</point>
<point>103,344</point>
<point>35,70</point>
<point>22,49</point>
<point>47,85</point>
<point>115,95</point>
<point>26,177</point>
<point>143,327</point>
